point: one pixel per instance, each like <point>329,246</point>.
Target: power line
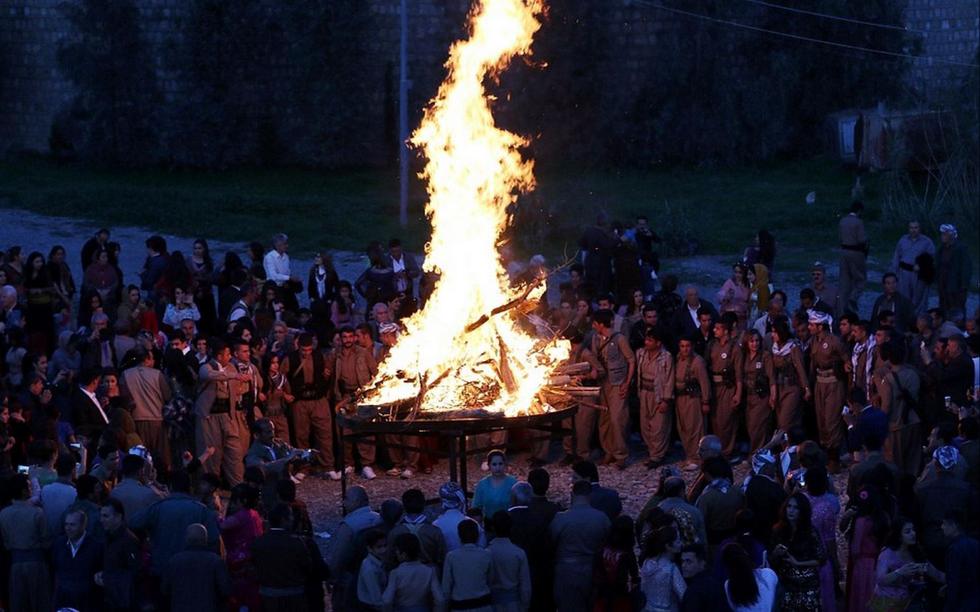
<point>799,37</point>
<point>873,24</point>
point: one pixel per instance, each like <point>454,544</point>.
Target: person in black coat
<point>763,495</point>
<point>196,579</point>
<point>531,513</point>
<point>87,415</point>
<point>684,323</point>
<point>284,564</point>
<point>704,591</point>
<point>76,557</point>
<point>602,498</point>
<point>120,559</point>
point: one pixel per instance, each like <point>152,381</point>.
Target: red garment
<point>861,565</point>
<point>238,532</point>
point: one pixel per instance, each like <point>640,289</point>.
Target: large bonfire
<point>466,349</point>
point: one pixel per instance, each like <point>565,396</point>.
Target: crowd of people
<point>152,436</point>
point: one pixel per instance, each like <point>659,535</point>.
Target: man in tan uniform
<point>613,352</point>
<point>308,373</point>
<point>898,391</point>
<point>353,368</point>
<point>220,424</point>
<point>725,363</point>
<point>853,259</point>
<point>692,389</point>
<point>655,386</point>
<point>827,357</point>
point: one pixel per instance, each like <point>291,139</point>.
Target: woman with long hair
<point>748,588</point>
<point>41,298</point>
<point>344,310</point>
<point>824,511</point>
<point>321,285</point>
<point>759,382</point>
<point>758,277</point>
<point>901,570</point>
<point>377,283</point>
<point>61,277</point>
<point>14,267</point>
<point>734,295</point>
<point>241,526</point>
<point>632,311</point>
<point>791,377</point>
<point>797,555</point>
<point>660,578</point>
<point>256,255</point>
<point>866,525</point>
<point>278,395</point>
<point>201,267</point>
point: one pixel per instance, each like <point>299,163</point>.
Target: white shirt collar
<point>74,547</point>
<point>97,403</point>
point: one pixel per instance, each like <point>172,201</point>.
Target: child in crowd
<point>510,587</point>
<point>371,579</point>
<point>412,586</point>
<point>468,572</point>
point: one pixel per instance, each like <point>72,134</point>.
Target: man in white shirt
<point>87,412</point>
<point>276,264</point>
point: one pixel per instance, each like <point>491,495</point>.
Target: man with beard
<point>308,373</point>
<point>354,367</point>
<point>618,365</point>
<point>692,390</point>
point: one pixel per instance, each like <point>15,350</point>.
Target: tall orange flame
<point>474,172</point>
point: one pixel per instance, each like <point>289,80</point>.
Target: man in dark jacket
<point>120,559</point>
<point>532,513</point>
<point>196,579</point>
<point>173,515</point>
<point>602,498</point>
<point>704,591</point>
<point>283,563</point>
<point>75,559</point>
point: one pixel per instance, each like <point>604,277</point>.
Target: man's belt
<point>221,405</point>
<point>853,247</point>
<point>906,266</point>
<point>309,395</point>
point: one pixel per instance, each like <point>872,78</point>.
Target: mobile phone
<point>948,401</point>
<point>79,470</point>
<point>23,469</point>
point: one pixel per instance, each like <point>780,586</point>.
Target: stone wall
<point>33,91</point>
